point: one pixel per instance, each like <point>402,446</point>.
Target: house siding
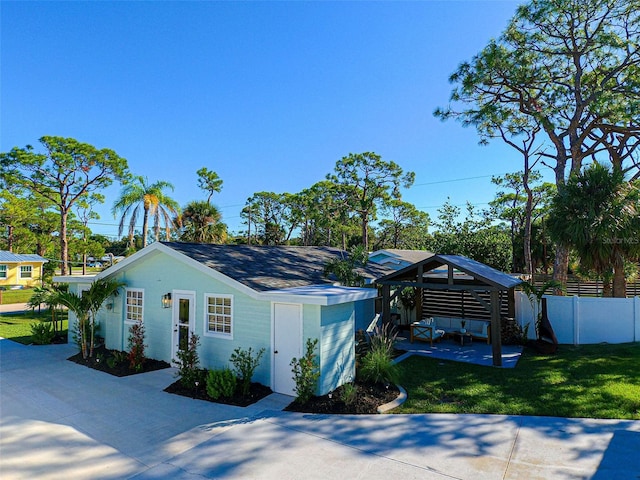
<point>13,274</point>
<point>337,346</point>
<point>160,274</point>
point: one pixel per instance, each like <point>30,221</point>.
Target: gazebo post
<point>386,304</point>
<point>496,334</point>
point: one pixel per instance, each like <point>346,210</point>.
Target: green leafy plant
<point>349,393</point>
<point>42,333</point>
<point>221,383</point>
<point>245,363</point>
<point>188,363</point>
<point>377,365</point>
<point>306,372</point>
<point>136,346</point>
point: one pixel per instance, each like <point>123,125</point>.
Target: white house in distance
<point>271,297</point>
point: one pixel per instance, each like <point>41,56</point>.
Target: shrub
<point>116,358</point>
<point>136,346</point>
<point>245,364</point>
<point>377,365</point>
<point>349,393</point>
<point>221,383</point>
<point>42,333</point>
<point>189,363</point>
<point>306,372</point>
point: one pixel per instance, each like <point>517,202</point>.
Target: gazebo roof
<point>470,274</point>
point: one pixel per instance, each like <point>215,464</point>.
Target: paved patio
<point>61,420</point>
<point>478,352</point>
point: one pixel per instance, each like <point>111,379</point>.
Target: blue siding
<point>337,346</point>
<point>160,274</point>
<point>365,311</point>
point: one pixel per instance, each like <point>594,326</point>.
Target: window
<point>134,305</point>
<point>218,315</point>
<point>3,271</point>
<point>26,271</point>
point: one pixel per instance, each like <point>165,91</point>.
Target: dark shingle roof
<point>264,268</point>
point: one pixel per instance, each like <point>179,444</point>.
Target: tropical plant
<point>152,200</point>
<point>200,222</point>
<point>596,213</point>
<point>377,366</point>
<point>49,296</point>
<point>245,364</point>
<point>85,307</point>
<point>42,333</point>
<point>535,295</point>
<point>306,372</point>
<point>407,298</point>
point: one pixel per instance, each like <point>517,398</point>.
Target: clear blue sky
<point>267,94</point>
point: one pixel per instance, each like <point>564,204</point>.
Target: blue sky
<point>267,94</point>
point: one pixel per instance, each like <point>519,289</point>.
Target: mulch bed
<point>369,398</point>
<point>100,358</point>
<point>257,391</point>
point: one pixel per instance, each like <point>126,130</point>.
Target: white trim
<point>205,313</point>
<point>6,271</point>
<point>20,267</point>
<point>126,320</point>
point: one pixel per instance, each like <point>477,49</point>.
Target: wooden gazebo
<point>455,273</point>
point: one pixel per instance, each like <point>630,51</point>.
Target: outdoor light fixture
<point>166,300</point>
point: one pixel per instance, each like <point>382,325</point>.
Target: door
<point>287,344</point>
<point>184,306</point>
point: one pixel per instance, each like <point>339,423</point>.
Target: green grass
<point>16,296</point>
<point>17,327</point>
<point>595,381</point>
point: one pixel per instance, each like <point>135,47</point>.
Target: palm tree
<point>85,307</point>
<point>201,223</point>
<point>596,213</point>
<point>154,203</point>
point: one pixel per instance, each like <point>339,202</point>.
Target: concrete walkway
<point>62,420</point>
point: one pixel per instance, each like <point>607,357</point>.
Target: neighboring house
<point>20,270</point>
<point>237,296</point>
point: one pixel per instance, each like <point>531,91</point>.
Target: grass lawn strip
<point>592,381</point>
<point>17,326</point>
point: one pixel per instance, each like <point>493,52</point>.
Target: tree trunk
<point>619,279</point>
<point>64,243</point>
<point>145,226</point>
<point>561,266</point>
<point>365,233</point>
<point>10,238</point>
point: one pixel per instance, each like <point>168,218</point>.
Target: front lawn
<point>21,295</point>
<point>17,326</point>
<point>595,381</point>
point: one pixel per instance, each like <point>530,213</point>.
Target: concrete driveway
<point>62,420</point>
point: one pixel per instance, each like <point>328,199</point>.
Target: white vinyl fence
<point>583,320</point>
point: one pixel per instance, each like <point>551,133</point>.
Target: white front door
<point>287,344</point>
<point>184,315</point>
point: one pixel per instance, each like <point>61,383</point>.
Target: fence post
<point>576,320</point>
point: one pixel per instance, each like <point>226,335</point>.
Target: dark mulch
<point>257,391</point>
<point>369,397</point>
<point>100,361</point>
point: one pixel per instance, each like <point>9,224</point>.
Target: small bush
<point>136,346</point>
<point>245,364</point>
<point>306,372</point>
<point>377,364</point>
<point>221,383</point>
<point>42,333</point>
<point>349,393</point>
<point>189,363</point>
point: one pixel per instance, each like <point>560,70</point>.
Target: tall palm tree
<point>85,307</point>
<point>152,200</point>
<point>596,213</point>
<point>201,223</point>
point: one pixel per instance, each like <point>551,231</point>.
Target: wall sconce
<point>166,300</point>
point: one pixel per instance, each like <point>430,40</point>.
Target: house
<point>271,297</point>
<point>20,270</point>
<point>397,259</point>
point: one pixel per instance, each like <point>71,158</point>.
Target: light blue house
<point>237,296</point>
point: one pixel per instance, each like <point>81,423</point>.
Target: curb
<point>394,403</point>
